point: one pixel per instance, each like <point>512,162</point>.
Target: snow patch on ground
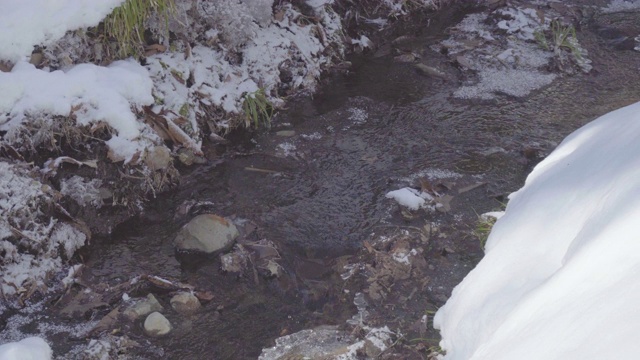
<point>432,174</point>
<point>89,93</point>
<point>569,243</point>
<point>26,23</point>
<point>26,349</point>
<point>410,198</point>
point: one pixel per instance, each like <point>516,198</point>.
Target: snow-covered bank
<point>560,275</point>
<point>65,96</point>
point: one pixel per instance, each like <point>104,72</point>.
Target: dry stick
<point>262,170</point>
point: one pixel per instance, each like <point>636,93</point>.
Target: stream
<point>314,184</point>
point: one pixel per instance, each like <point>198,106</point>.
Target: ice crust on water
<point>560,276</point>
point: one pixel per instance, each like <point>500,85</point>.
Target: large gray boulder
<point>207,233</point>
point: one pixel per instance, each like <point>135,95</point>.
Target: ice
<point>560,276</point>
<point>512,82</point>
<point>621,5</point>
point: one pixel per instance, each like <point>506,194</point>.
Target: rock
<point>158,158</point>
<point>185,303</point>
<point>188,157</point>
<point>143,307</point>
<point>286,133</point>
<point>156,325</point>
<point>234,262</point>
<point>207,233</point>
<point>405,58</point>
<point>430,71</point>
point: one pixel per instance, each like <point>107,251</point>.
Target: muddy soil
<point>314,185</point>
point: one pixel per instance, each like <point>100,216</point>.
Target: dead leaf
<point>168,130</point>
<point>279,15</point>
<point>10,152</point>
<point>108,322</point>
<point>445,203</point>
<point>540,14</point>
<point>463,61</point>
<point>154,49</point>
<point>426,187</point>
<point>470,187</point>
<point>53,165</point>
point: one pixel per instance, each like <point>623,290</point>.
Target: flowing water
<point>318,191</point>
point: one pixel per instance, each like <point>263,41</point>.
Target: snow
<point>31,245</point>
<point>31,348</point>
<point>48,21</point>
<point>560,276</point>
<point>410,198</point>
<point>90,93</point>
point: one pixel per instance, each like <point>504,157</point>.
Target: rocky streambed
<point>323,244</point>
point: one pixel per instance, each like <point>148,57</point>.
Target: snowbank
<point>32,348</point>
<point>560,275</point>
<point>90,93</point>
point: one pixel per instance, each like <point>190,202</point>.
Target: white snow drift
<point>560,279</point>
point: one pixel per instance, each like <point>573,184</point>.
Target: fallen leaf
<point>445,203</point>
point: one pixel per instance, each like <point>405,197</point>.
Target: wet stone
<point>156,325</point>
<point>286,133</point>
<point>207,233</point>
<point>143,307</point>
<point>185,303</point>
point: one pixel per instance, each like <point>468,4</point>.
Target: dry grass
<point>126,24</point>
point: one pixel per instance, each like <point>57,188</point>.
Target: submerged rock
<point>207,233</point>
<point>185,303</point>
<point>156,325</point>
<point>143,307</point>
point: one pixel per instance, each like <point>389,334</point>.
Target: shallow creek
<point>315,185</point>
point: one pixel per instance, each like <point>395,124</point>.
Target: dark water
<point>357,139</point>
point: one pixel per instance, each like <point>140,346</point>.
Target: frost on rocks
<point>512,82</point>
<point>31,321</point>
<point>358,116</point>
<point>323,342</point>
<point>82,191</point>
<point>32,244</point>
<point>503,54</point>
<point>621,5</point>
<point>522,23</point>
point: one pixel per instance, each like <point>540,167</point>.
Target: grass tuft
<point>257,108</point>
<point>126,24</point>
<point>483,229</point>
